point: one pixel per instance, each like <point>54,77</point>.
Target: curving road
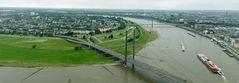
<point>166,53</point>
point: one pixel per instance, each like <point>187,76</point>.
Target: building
<point>235,42</point>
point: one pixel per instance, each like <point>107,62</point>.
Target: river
<point>166,53</point>
<point>80,74</point>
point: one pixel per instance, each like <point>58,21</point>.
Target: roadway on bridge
<point>166,53</point>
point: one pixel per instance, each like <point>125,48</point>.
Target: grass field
<point>18,51</point>
<point>117,43</point>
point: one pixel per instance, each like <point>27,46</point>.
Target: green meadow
<point>44,51</point>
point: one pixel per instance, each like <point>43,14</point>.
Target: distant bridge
<point>160,74</point>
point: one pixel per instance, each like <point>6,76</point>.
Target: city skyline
<point>127,4</point>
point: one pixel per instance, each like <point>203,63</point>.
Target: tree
<point>97,31</point>
<point>84,37</point>
<point>91,39</point>
<point>109,31</point>
<point>122,24</point>
<point>76,48</point>
<point>34,46</point>
<point>80,48</point>
<point>91,33</point>
<point>111,36</point>
<point>70,33</point>
<point>130,40</point>
<point>41,34</point>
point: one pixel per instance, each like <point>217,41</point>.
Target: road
<point>166,53</point>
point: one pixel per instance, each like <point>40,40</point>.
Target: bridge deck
<point>160,73</point>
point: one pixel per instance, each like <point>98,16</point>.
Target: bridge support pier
<point>133,48</point>
<point>126,48</point>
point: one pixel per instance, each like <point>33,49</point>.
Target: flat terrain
<point>19,51</point>
<point>118,42</point>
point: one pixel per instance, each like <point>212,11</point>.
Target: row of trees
<point>76,47</point>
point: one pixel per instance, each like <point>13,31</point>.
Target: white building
<point>235,42</point>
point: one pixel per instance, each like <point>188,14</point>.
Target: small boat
<point>191,34</point>
<point>228,52</point>
<point>183,48</point>
<point>210,65</point>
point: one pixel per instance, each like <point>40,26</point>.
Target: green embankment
<point>19,51</point>
<point>31,51</point>
<point>118,42</point>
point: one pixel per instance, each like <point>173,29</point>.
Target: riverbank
<point>117,43</point>
<point>29,51</point>
<point>18,51</point>
<point>228,49</point>
<point>166,54</point>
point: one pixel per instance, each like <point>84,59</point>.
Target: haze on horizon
<point>127,4</point>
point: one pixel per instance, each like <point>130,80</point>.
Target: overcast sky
<point>127,4</point>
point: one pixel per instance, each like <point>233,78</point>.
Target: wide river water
<point>80,74</point>
<point>166,53</point>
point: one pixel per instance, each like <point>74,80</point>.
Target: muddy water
<point>166,53</point>
<point>81,74</point>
